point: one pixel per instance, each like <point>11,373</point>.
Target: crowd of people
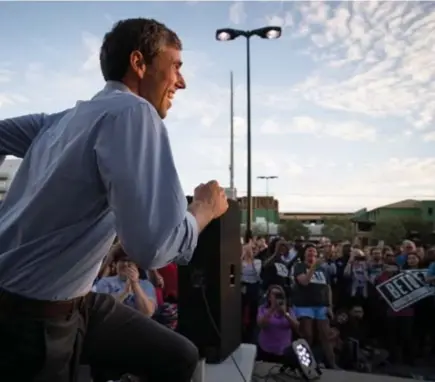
<point>326,293</point>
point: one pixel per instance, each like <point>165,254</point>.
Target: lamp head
<point>227,34</point>
<point>270,33</point>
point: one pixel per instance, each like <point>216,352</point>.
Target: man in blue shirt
<point>101,167</point>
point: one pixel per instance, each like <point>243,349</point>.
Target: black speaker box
<point>209,295</point>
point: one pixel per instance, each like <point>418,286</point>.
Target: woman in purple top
<point>276,322</point>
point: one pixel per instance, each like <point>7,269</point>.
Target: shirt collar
<point>116,85</point>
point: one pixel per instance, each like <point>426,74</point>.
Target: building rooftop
<point>407,203</point>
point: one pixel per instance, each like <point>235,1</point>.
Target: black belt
<point>12,304</point>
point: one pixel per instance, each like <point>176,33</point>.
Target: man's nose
<point>181,82</point>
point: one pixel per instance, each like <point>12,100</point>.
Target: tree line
<point>392,230</point>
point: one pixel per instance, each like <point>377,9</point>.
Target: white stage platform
<point>227,371</point>
<point>262,370</point>
<point>245,358</point>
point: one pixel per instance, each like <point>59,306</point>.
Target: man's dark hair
<point>147,36</point>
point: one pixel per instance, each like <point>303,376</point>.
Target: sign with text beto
<point>421,274</point>
<point>403,290</point>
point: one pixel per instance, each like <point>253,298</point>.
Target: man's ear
<point>137,63</point>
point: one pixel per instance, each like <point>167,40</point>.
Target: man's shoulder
<point>116,102</point>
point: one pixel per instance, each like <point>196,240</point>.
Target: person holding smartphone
<point>357,271</point>
<point>277,323</point>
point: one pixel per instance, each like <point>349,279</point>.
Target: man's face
<point>408,247</point>
<point>161,79</point>
<point>311,255</point>
<point>357,312</point>
<point>377,254</point>
<point>389,258</point>
<point>283,249</point>
<point>327,249</point>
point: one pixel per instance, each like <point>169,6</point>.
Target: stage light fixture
<point>308,367</point>
<point>303,355</point>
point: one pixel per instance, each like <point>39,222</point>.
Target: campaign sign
<point>421,274</point>
<point>403,290</point>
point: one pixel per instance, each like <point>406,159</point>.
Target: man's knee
<point>189,354</point>
<point>183,360</point>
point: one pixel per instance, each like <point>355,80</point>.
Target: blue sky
<point>343,105</point>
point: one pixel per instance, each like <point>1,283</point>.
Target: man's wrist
<point>202,212</point>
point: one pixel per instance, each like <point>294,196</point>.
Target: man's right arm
<point>17,134</point>
<point>136,166</point>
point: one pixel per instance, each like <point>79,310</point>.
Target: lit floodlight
<point>228,34</point>
<point>273,34</point>
<point>270,33</point>
<point>223,36</point>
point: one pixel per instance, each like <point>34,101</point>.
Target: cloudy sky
<point>343,105</point>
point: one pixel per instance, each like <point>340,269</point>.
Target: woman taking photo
<point>277,324</point>
<point>312,299</point>
<point>357,272</point>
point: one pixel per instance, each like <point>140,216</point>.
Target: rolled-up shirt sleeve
<point>136,166</point>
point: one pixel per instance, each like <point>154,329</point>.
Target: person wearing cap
<point>102,167</point>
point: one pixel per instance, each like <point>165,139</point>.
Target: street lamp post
<point>227,34</point>
<point>267,178</point>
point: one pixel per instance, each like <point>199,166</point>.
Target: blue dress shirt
<point>102,167</point>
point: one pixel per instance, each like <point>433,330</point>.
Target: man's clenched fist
<point>213,195</point>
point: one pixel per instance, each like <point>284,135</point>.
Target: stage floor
<point>262,369</point>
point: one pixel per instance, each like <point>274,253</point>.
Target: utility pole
<point>231,133</point>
